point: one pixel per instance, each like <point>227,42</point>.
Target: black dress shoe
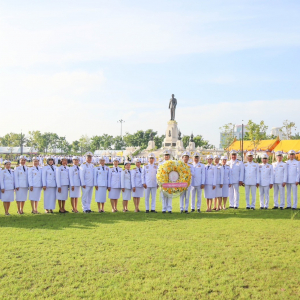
<point>66,211</point>
<point>163,212</point>
<point>181,211</point>
<point>253,208</point>
<point>261,208</point>
<point>275,207</point>
<point>147,211</point>
<point>294,208</point>
<point>153,211</point>
<point>236,208</point>
<point>192,210</point>
<point>198,210</point>
<point>247,207</point>
<point>266,208</point>
<point>85,211</point>
<point>61,212</point>
<point>281,208</point>
<point>169,212</point>
<point>288,207</point>
<point>230,207</point>
<point>186,212</point>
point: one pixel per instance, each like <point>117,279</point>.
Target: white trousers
<point>279,189</point>
<point>264,196</point>
<point>166,203</point>
<point>194,190</point>
<point>252,189</point>
<point>150,191</point>
<point>234,195</point>
<point>289,188</point>
<point>86,198</point>
<point>185,199</point>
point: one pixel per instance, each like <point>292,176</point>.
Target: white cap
<point>23,157</point>
<point>209,156</point>
<point>63,157</point>
<point>75,157</point>
<point>167,152</point>
<point>249,153</point>
<point>233,152</point>
<point>89,154</point>
<point>265,155</point>
<point>116,159</point>
<point>224,157</point>
<point>196,154</point>
<point>292,152</point>
<point>137,160</point>
<point>186,153</point>
<point>278,153</point>
<point>127,162</point>
<point>216,156</point>
<point>7,161</point>
<point>101,158</point>
<point>35,158</point>
<point>151,155</point>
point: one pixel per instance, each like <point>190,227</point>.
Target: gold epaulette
<point>84,163</point>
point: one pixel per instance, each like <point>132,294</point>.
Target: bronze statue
<point>172,107</point>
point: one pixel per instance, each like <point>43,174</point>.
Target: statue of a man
<point>172,107</point>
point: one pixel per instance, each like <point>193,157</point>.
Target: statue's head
<point>172,95</point>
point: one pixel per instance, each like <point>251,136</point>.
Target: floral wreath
<point>184,176</point>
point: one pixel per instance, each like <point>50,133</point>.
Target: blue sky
<point>76,67</point>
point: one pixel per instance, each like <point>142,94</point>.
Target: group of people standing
<point>219,180</point>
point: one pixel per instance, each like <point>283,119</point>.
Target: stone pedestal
<point>191,147</point>
<point>151,145</point>
<point>171,135</point>
<point>179,145</point>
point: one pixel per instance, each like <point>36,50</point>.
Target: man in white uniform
<point>237,173</point>
<point>292,180</point>
<point>251,180</point>
<point>149,182</point>
<point>280,179</point>
<point>87,182</point>
<point>265,181</point>
<point>166,201</point>
<point>198,181</point>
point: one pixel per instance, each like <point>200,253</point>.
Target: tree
<point>34,140</point>
<point>286,129</point>
<point>85,144</point>
<point>296,136</point>
<point>200,142</point>
<point>96,143</point>
<point>227,135</point>
<point>185,140</point>
<point>11,140</point>
<point>256,132</point>
<point>119,144</point>
<point>75,146</point>
<point>158,141</point>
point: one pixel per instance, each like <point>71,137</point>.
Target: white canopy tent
<point>17,150</point>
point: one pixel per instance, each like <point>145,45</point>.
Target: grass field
<point>232,254</point>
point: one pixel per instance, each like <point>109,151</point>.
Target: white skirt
<point>63,195</point>
<point>100,195</point>
<point>225,190</point>
<point>35,195</point>
<point>139,192</point>
<point>50,198</point>
<point>114,193</point>
<point>209,193</point>
<point>8,196</point>
<point>218,191</point>
<point>127,194</point>
<point>76,193</point>
<point>22,194</point>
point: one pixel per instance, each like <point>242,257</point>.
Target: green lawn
<point>232,254</point>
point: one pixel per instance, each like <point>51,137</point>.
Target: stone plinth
<point>179,145</point>
<point>151,145</point>
<point>171,135</point>
<point>191,146</point>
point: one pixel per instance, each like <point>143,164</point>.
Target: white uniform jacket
<point>149,172</point>
<point>62,176</point>
<point>292,171</point>
<point>35,177</point>
<point>227,175</point>
<point>74,175</point>
<point>87,174</point>
<point>211,175</point>
<point>199,174</point>
<point>266,174</point>
<point>114,177</point>
<point>49,176</point>
<point>126,179</point>
<point>280,172</point>
<point>136,177</point>
<point>251,173</point>
<point>101,176</point>
<point>237,170</point>
<point>21,177</point>
<point>220,173</point>
<point>7,179</point>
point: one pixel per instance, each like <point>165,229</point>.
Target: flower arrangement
<point>183,171</point>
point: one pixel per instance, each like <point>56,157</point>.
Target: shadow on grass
<point>85,221</point>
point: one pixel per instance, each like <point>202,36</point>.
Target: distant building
<point>276,131</point>
<point>237,134</point>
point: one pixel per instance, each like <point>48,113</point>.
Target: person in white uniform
<point>237,173</point>
<point>74,175</point>
<point>63,183</point>
<point>126,185</point>
<point>49,185</point>
<point>137,185</point>
<point>185,196</point>
<point>280,179</point>
<point>219,182</point>
<point>149,182</point>
<point>101,183</point>
<point>35,185</point>
<point>265,181</point>
<point>166,200</point>
<point>86,172</point>
<point>21,184</point>
<point>198,181</point>
<point>7,184</point>
<point>210,182</point>
<point>114,184</point>
<point>251,180</point>
<point>226,182</point>
<point>292,180</point>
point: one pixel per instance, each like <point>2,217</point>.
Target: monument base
<point>151,145</point>
<point>179,145</point>
<point>171,135</point>
<point>191,146</point>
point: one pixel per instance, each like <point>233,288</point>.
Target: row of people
<point>218,181</point>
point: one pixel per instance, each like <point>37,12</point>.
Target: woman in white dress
<point>49,186</point>
<point>114,184</point>
<point>75,183</point>
<point>21,184</point>
<point>62,182</point>
<point>227,180</point>
<point>137,185</point>
<point>101,181</point>
<point>126,185</point>
<point>7,186</point>
<point>219,182</point>
<point>35,185</point>
<point>210,182</point>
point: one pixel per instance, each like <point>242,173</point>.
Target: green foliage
<point>185,140</point>
<point>287,127</point>
<point>256,132</point>
<point>141,139</point>
<point>227,132</point>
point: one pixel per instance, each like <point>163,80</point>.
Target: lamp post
<point>121,121</point>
